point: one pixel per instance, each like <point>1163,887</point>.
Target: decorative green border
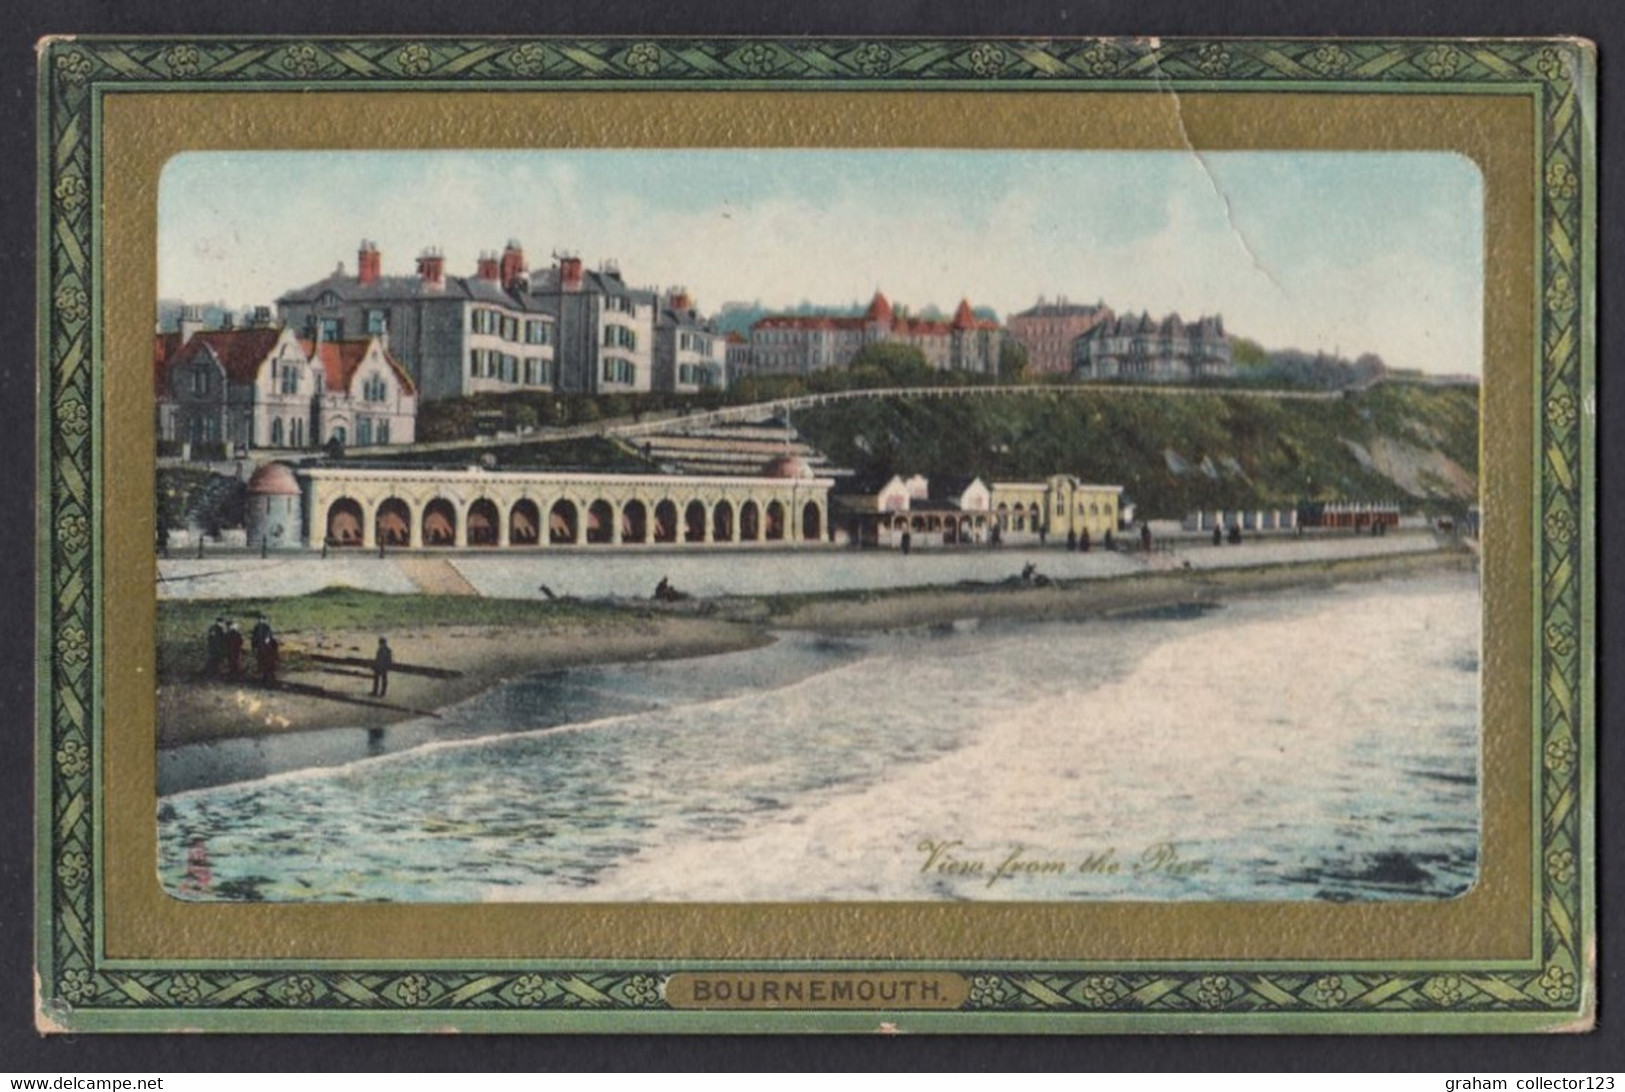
<point>79,992</point>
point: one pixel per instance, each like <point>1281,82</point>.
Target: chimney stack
<point>191,322</point>
<point>228,321</point>
<point>487,269</point>
<point>432,268</point>
<point>262,316</point>
<point>368,262</point>
<point>570,274</point>
<point>512,268</point>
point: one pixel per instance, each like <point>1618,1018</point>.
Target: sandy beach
<point>468,659</point>
<point>192,709</point>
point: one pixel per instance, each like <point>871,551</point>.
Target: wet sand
<point>193,710</point>
<point>324,695</point>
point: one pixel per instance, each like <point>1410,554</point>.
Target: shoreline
<point>472,658</point>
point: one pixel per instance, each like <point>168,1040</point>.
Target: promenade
<point>631,573</point>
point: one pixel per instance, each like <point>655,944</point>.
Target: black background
<point>22,1050</point>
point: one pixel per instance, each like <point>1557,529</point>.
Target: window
<point>538,372</point>
<point>485,321</point>
<point>510,369</point>
<point>510,329</point>
<point>382,435</point>
<point>619,371</point>
<point>474,362</point>
<point>377,321</point>
<point>331,329</point>
<point>276,432</point>
<point>536,332</point>
<point>341,434</point>
<point>374,389</point>
<point>620,337</point>
<point>620,304</point>
<point>200,380</point>
<point>296,433</point>
<point>363,431</point>
<point>290,379</point>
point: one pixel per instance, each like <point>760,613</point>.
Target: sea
<point>1312,745</point>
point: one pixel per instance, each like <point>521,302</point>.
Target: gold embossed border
<point>1531,967</point>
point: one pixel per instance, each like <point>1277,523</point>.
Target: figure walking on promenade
<point>381,663</point>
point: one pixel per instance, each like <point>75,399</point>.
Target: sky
<point>1338,251</point>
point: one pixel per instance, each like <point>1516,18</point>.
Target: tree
<point>1012,360</point>
<point>1247,353</point>
<point>893,364</point>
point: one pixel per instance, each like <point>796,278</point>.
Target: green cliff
<point>1174,452</point>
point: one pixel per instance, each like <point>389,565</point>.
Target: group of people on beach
<point>225,646</point>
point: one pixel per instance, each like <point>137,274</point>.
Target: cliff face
<point>1175,452</point>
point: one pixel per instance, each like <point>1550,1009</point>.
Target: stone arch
<point>666,521</point>
<point>722,522</point>
<point>440,523</point>
<point>694,520</point>
<point>750,521</point>
<point>484,523</point>
<point>1033,523</point>
<point>344,522</point>
<point>634,521</point>
<point>393,524</point>
<point>812,522</point>
<point>563,519</point>
<point>1004,516</point>
<point>775,521</point>
<point>600,522</point>
<point>524,523</point>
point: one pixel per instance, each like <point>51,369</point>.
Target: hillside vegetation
<point>1176,452</point>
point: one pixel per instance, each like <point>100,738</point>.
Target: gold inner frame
<point>142,130</point>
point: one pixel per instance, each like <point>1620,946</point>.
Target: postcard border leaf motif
<point>80,992</point>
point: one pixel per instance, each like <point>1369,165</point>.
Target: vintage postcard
<point>754,535</point>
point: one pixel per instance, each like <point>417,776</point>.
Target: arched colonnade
<point>474,509</point>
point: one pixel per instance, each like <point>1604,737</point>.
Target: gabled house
<point>262,387</point>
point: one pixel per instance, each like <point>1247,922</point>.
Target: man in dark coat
<point>381,663</point>
<point>216,648</point>
<point>259,634</point>
<point>269,655</point>
<point>234,651</point>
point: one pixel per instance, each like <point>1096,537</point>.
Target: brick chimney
<point>487,269</point>
<point>262,316</point>
<point>680,300</point>
<point>570,274</point>
<point>368,262</point>
<point>513,265</point>
<point>432,268</point>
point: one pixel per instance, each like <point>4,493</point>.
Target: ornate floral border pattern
<point>77,992</point>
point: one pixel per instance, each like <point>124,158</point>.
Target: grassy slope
<point>1287,450</point>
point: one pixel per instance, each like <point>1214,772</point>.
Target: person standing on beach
<point>268,654</point>
<point>216,648</point>
<point>381,663</point>
<point>234,651</point>
<point>259,634</point>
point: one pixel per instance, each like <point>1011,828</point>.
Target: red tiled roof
<point>964,317</point>
<point>879,309</point>
<point>240,352</point>
<point>340,359</point>
<point>163,351</point>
